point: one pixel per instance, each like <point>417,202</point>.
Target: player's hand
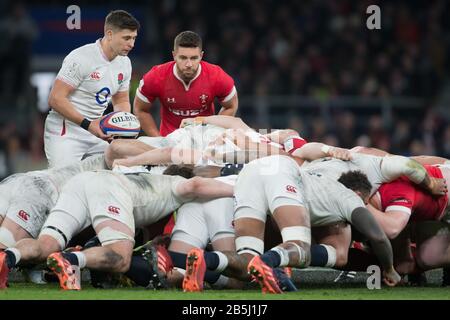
<point>438,186</point>
<point>340,153</point>
<point>94,128</point>
<point>187,122</point>
<point>391,277</point>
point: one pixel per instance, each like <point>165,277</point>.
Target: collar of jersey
<point>102,53</point>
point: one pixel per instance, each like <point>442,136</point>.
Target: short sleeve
<point>148,89</point>
<point>225,89</point>
<point>125,85</point>
<point>397,196</point>
<point>72,72</point>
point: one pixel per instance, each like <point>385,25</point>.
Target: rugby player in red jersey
<point>185,87</point>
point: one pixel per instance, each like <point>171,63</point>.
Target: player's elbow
<point>393,231</point>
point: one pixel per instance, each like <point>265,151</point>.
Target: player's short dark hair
<point>356,181</point>
<point>187,39</point>
<point>186,171</point>
<point>120,19</point>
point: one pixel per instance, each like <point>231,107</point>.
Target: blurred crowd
<point>320,49</point>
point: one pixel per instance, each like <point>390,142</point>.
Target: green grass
<point>25,291</point>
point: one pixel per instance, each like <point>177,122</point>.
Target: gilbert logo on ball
<point>120,124</point>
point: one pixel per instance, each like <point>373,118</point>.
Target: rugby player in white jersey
<point>89,78</point>
<point>276,184</point>
<point>203,140</point>
<point>114,204</point>
<point>27,198</point>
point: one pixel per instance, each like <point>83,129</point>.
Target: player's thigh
<point>219,215</point>
<point>63,150</point>
<point>338,236</point>
<point>110,206</point>
<point>70,214</point>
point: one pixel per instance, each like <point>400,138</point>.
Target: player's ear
<point>201,55</point>
<point>174,54</point>
<point>109,34</point>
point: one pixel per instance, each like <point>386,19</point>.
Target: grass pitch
<point>26,291</point>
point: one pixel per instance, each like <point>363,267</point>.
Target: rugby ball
<point>120,124</point>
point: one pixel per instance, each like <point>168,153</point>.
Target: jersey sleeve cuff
<point>230,95</point>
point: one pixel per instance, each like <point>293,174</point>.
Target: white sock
<point>16,254</point>
<point>223,261</point>
<point>182,271</point>
<point>81,258</point>
<point>331,255</point>
<point>221,282</point>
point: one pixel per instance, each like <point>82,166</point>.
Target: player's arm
<point>59,101</point>
<point>316,150</point>
<point>229,108</point>
<point>393,167</point>
<point>227,122</point>
<point>371,151</point>
<point>121,101</point>
<point>365,223</point>
<point>203,188</point>
<point>431,160</point>
<point>161,156</point>
<point>142,112</point>
<point>392,221</point>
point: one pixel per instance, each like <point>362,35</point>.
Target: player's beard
<point>186,77</point>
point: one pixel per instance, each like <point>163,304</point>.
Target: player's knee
<point>341,258</point>
<point>45,245</point>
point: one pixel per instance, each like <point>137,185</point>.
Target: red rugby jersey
<point>404,195</point>
<point>178,100</point>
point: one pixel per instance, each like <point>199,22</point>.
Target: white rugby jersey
<point>153,196</point>
<point>333,168</point>
<point>327,200</point>
<point>60,175</point>
<point>95,78</point>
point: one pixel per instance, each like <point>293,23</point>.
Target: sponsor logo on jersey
<point>23,215</point>
<point>120,78</point>
<point>114,210</point>
<point>291,189</point>
<point>203,98</point>
<point>184,113</point>
<point>95,75</point>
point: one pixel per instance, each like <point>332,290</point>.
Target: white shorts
<point>26,199</point>
<point>89,199</point>
<point>198,223</point>
<point>266,184</point>
<point>66,142</point>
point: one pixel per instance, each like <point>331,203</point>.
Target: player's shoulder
<point>159,71</point>
<point>87,51</point>
<point>211,68</point>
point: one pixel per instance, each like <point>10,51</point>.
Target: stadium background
<point>309,65</point>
